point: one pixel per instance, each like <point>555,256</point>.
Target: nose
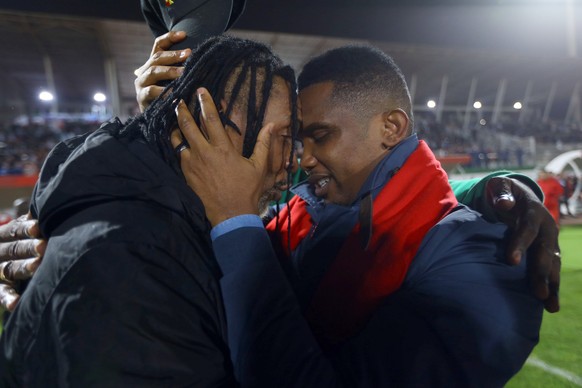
<point>294,164</point>
<point>308,161</point>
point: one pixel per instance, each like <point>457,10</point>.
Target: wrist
<point>218,216</point>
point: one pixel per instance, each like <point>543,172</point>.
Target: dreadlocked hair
<point>236,70</point>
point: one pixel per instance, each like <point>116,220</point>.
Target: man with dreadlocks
<point>390,282</point>
<point>128,292</point>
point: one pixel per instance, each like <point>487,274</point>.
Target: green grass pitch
<point>560,347</point>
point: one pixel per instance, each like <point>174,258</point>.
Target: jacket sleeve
<point>137,317</point>
<point>481,308</point>
<point>271,344</point>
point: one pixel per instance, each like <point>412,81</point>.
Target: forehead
<point>315,101</point>
<point>278,109</point>
<point>320,110</point>
<point>280,93</point>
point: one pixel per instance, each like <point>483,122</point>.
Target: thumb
<point>260,154</point>
<point>499,194</point>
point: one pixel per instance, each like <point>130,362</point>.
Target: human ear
<point>395,128</point>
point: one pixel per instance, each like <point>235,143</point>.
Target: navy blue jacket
<point>462,317</point>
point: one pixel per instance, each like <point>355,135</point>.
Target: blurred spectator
<point>20,206</point>
<point>23,148</point>
<point>568,183</point>
<point>519,156</point>
<point>553,190</point>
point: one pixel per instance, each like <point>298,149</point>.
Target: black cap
<point>200,19</point>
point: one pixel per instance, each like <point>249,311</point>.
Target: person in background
<point>553,191</point>
<point>567,182</point>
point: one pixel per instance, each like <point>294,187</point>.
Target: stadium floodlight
<point>45,96</point>
<point>431,104</point>
<point>99,97</point>
<point>517,105</point>
<point>477,105</point>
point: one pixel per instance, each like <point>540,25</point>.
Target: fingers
<point>164,42</point>
<point>543,272</point>
<point>22,227</point>
<point>521,238</point>
<point>537,271</point>
<point>546,281</point>
<point>22,249</point>
<point>160,66</point>
<point>13,270</point>
<point>154,71</point>
<point>211,122</point>
<point>8,297</point>
<point>260,156</point>
<point>552,303</point>
<point>189,128</point>
<point>499,193</point>
<point>160,55</point>
<point>146,95</point>
<point>518,207</point>
<point>534,230</point>
<point>165,63</point>
<point>176,137</point>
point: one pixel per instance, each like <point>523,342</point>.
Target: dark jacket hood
<point>99,167</point>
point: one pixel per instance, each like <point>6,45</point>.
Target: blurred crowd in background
<point>25,145</point>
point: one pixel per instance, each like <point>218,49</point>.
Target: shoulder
<point>480,306</point>
<point>464,252</point>
<point>462,231</point>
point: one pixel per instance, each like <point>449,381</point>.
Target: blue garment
<point>461,318</point>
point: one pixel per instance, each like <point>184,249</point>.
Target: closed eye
<point>319,136</point>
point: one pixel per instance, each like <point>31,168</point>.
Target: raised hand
<point>227,183</point>
<point>161,66</point>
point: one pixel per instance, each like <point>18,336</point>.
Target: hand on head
<point>227,183</point>
<point>162,65</point>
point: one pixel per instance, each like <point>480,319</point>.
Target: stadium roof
<point>533,48</point>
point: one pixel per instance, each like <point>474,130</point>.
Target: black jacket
<point>128,293</point>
